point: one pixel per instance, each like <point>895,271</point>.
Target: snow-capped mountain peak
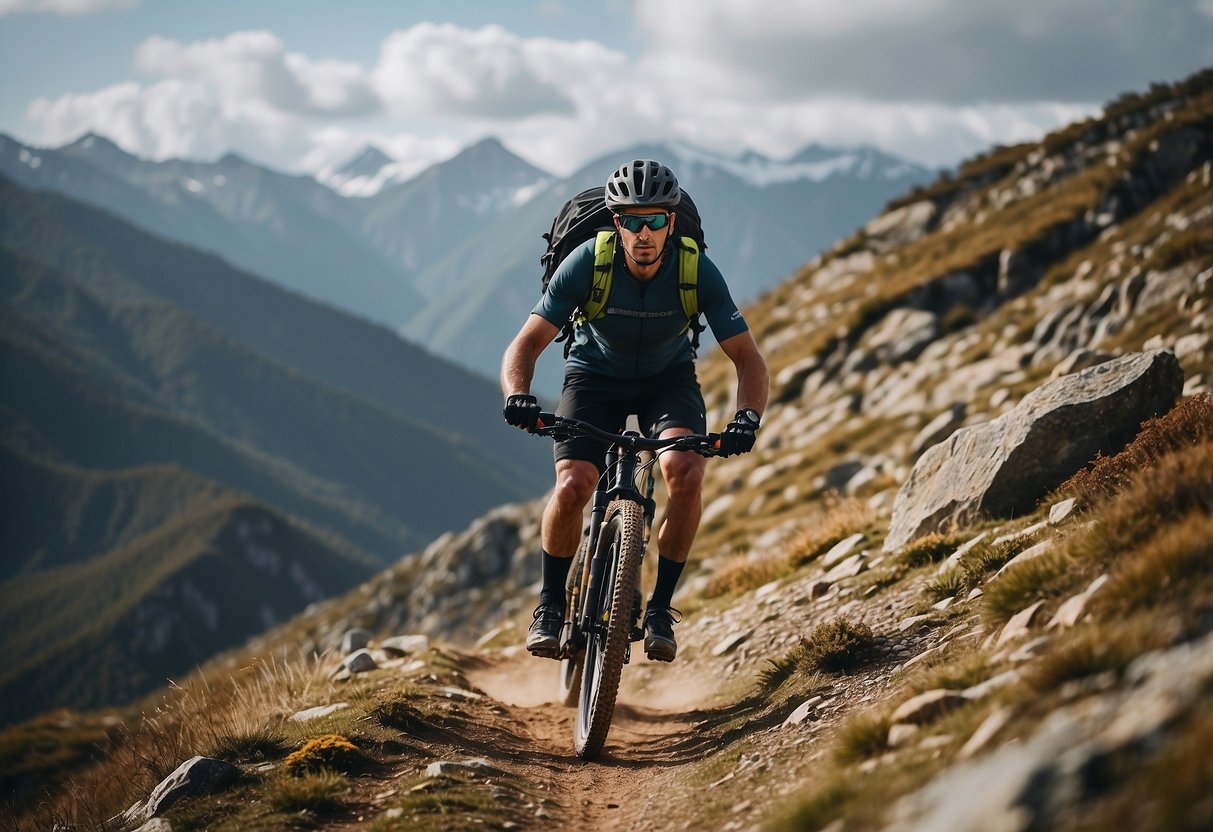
<point>367,173</point>
<point>814,163</point>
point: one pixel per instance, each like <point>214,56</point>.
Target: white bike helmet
<point>643,183</point>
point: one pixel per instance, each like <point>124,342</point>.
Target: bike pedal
<point>637,634</point>
<point>627,654</point>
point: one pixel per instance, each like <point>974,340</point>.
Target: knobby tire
<point>623,539</point>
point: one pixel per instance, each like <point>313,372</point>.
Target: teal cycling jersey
<point>643,330</point>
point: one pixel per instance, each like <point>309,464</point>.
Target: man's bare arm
<point>518,363</point>
<point>753,381</point>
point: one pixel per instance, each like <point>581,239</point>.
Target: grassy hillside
<point>114,626</point>
<point>70,515</point>
<point>1066,658</point>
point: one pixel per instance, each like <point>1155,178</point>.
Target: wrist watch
<point>749,415</point>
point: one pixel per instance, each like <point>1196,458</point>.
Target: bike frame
<point>623,457</point>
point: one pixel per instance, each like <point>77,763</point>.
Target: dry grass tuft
<point>331,752</point>
<point>257,745</point>
<point>1047,576</point>
<point>955,674</point>
<point>315,792</point>
<point>1132,534</point>
<point>744,572</point>
<point>1185,425</point>
<point>401,710</point>
<point>1165,566</point>
<point>841,518</point>
<point>837,646</point>
<point>1108,647</point>
<point>863,735</point>
<point>930,548</point>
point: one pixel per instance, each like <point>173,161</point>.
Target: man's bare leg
<point>561,532</point>
<point>683,473</point>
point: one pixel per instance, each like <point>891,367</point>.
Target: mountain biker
<point>634,360</point>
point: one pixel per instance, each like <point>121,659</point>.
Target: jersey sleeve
<point>717,304</point>
<point>569,286</point>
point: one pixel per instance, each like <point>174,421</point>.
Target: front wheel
<point>570,679</point>
<point>571,667</point>
<point>621,544</point>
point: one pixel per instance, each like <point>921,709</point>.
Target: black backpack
<point>586,215</point>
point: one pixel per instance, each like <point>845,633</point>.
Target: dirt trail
<point>631,784</point>
<point>693,744</point>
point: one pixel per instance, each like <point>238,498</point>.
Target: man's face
<point>644,245</point>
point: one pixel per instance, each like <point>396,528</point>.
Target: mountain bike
<point>603,590</point>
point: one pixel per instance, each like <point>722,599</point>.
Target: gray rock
<point>938,429</point>
<point>1035,783</point>
<point>1019,625</point>
<point>1069,613</point>
<point>354,640</point>
<point>984,689</point>
<point>478,764</point>
<point>848,568</point>
<point>1080,359</point>
<point>1003,467</point>
<point>802,712</point>
<point>841,549</point>
<point>925,707</point>
<point>1026,555</point>
<point>985,732</point>
<point>317,712</point>
<point>900,226</point>
<point>156,825</point>
<point>405,645</point>
<point>837,476</point>
<point>902,335</point>
<point>360,662</point>
<point>1060,511</point>
<point>729,643</point>
<point>196,776</point>
<point>901,734</point>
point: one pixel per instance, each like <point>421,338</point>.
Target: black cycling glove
<point>738,437</point>
<point>521,410</point>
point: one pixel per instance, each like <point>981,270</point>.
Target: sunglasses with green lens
<point>635,222</point>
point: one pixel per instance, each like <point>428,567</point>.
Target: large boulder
<point>196,776</point>
<point>1002,468</point>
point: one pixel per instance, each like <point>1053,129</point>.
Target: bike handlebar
<point>549,424</point>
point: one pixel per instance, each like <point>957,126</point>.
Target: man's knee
<point>683,474</point>
<point>575,481</point>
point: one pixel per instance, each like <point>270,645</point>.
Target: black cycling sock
<point>555,572</point>
<point>668,573</point>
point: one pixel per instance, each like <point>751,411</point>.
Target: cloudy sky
<point>301,85</point>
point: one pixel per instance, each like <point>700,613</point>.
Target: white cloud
<point>172,118</point>
<point>487,73</point>
<point>254,69</point>
<point>936,80</point>
<point>955,51</point>
<point>69,8</point>
<point>244,92</point>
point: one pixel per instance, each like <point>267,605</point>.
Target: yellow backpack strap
<point>688,285</point>
<point>604,261</point>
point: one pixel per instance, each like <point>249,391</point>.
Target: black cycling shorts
<point>670,399</point>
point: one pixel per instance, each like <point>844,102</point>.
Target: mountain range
<point>153,398</point>
<point>449,256</point>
